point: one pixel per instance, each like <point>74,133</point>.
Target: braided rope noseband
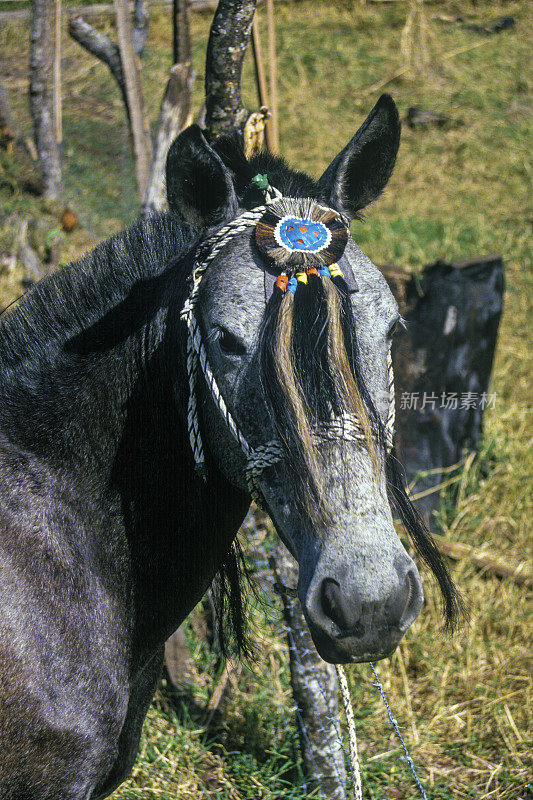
<point>263,456</point>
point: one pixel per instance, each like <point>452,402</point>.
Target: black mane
<point>290,182</point>
<point>74,298</point>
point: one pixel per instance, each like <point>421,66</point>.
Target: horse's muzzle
<point>353,620</point>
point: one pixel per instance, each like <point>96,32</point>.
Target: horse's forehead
<point>238,272</point>
<point>234,282</point>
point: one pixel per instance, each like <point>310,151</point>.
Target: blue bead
<point>324,272</point>
<point>292,285</point>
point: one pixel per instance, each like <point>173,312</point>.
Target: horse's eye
<point>230,344</point>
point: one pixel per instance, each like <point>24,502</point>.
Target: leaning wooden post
<point>41,97</point>
<point>314,690</point>
<point>140,127</point>
<point>228,39</point>
<point>173,117</point>
<point>273,75</point>
<point>57,74</point>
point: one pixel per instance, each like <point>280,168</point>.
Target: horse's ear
<point>360,172</point>
<point>199,187</point>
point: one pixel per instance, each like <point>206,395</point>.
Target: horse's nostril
<point>413,599</point>
<point>333,603</point>
<point>345,615</point>
<point>330,598</point>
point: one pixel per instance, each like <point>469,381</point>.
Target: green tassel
<point>261,181</point>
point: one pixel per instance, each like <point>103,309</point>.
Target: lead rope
<point>265,455</point>
<point>352,739</point>
<point>396,727</point>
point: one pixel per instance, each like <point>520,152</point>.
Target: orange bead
<point>282,282</point>
<point>312,271</point>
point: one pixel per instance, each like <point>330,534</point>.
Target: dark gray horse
<point>108,533</point>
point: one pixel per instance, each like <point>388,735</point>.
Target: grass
<point>457,192</point>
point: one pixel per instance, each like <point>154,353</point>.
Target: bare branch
<point>100,46</point>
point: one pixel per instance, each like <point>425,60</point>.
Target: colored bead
<point>292,285</point>
<point>335,271</point>
<point>261,181</point>
<point>312,271</point>
<point>302,277</point>
<point>282,282</point>
<point>324,272</point>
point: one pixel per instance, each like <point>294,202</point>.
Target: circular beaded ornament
<point>299,234</point>
<point>295,233</point>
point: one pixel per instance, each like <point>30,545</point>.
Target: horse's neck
<point>98,406</point>
<point>179,528</point>
<point>68,405</point>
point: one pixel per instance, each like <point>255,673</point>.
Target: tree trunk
<point>314,690</point>
<point>173,116</point>
<point>141,24</point>
<point>41,97</point>
<point>226,49</point>
<point>140,126</point>
<point>181,36</point>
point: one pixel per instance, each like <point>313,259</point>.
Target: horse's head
<point>299,369</point>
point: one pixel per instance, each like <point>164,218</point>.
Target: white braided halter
<point>263,456</point>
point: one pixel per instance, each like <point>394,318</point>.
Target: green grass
<point>458,192</point>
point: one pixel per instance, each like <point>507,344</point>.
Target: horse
<point>235,346</point>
